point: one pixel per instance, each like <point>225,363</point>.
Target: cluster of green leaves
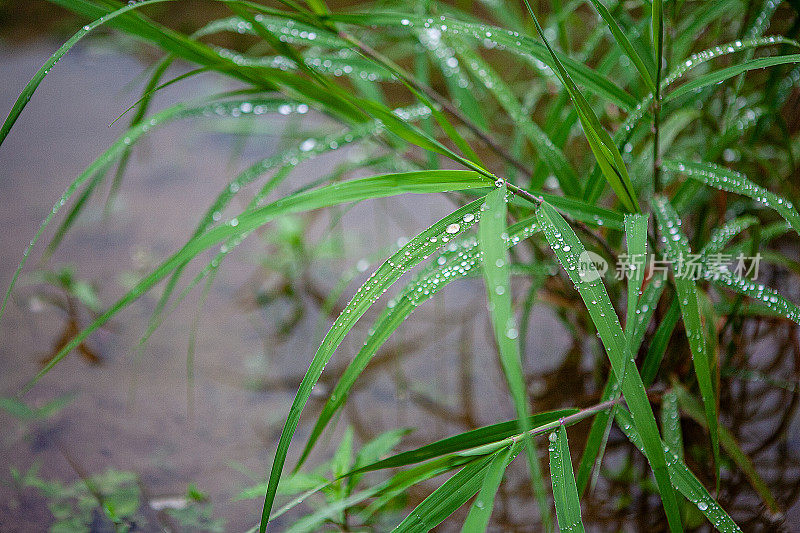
<point>114,493</point>
<point>663,102</point>
<point>113,500</point>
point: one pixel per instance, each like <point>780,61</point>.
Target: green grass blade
<point>568,249</point>
<point>527,48</point>
<point>624,43</point>
<point>549,153</point>
<point>759,292</point>
<point>451,495</point>
<point>595,186</point>
<point>579,210</point>
<point>474,443</point>
<point>565,493</point>
<point>636,240</point>
<point>671,422</point>
<point>718,76</point>
<point>683,480</point>
<point>118,148</point>
<point>142,106</point>
<point>338,193</point>
<point>596,439</point>
<point>599,432</point>
<point>383,493</point>
<point>498,296</point>
<point>458,83</point>
<point>284,162</point>
<point>31,86</point>
<point>481,510</point>
<point>461,258</point>
<point>474,438</point>
<point>659,342</point>
<point>657,32</point>
<point>677,250</point>
<point>695,410</point>
<point>603,147</point>
<point>731,181</point>
<point>409,255</point>
<point>282,27</point>
<point>723,235</point>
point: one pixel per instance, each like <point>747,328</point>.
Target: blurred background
<point>180,450</point>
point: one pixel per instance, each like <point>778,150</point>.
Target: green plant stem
<point>537,200</point>
<point>657,185</point>
<point>569,420</point>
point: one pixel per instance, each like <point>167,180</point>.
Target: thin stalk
<point>657,185</point>
<point>569,420</point>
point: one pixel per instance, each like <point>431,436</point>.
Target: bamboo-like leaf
<point>549,153</point>
<point>498,296</point>
<point>677,250</point>
<point>718,76</point>
<point>569,249</point>
<point>693,408</point>
<point>683,479</point>
<point>451,495</point>
<point>481,510</point>
<point>624,43</point>
<point>461,258</point>
<point>605,150</point>
<point>565,493</point>
<point>409,255</point>
<point>731,181</point>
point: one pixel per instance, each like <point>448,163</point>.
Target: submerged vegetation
<point>629,163</point>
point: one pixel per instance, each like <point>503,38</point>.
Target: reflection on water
<point>261,324</point>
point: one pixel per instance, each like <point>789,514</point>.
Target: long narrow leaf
<point>569,249</point>
<point>735,182</point>
<point>498,295</point>
<point>481,510</point>
<point>565,493</point>
<point>605,150</point>
<point>677,249</point>
<point>683,479</point>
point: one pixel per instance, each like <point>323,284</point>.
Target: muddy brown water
<point>439,375</point>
